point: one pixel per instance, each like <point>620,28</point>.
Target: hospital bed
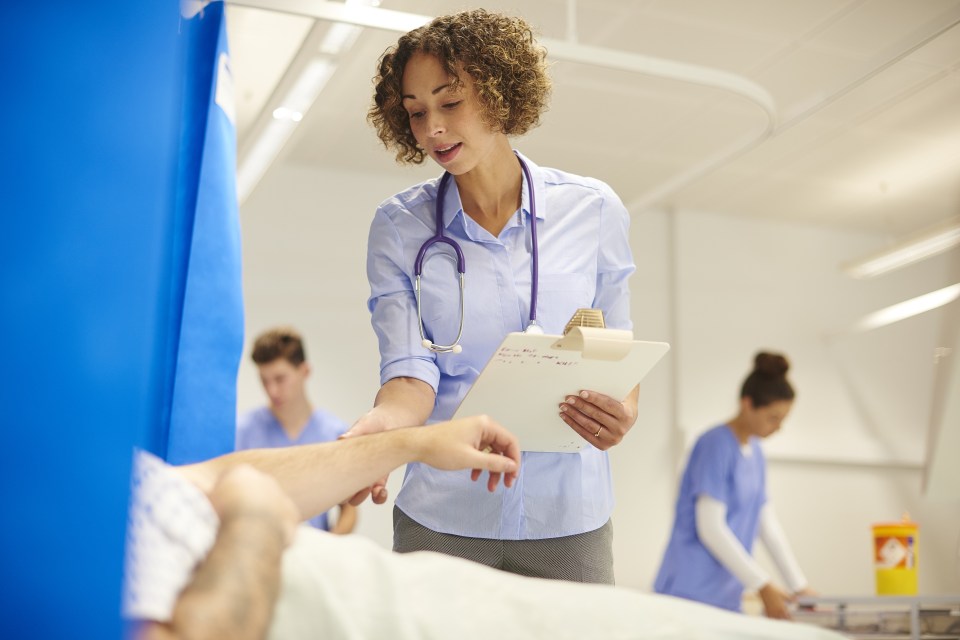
<point>885,617</point>
<point>348,587</point>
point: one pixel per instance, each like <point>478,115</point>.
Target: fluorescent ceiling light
<point>283,113</point>
<point>275,133</point>
<point>340,37</point>
<point>289,110</point>
<point>309,85</point>
<point>261,154</point>
<point>938,239</point>
<point>909,308</point>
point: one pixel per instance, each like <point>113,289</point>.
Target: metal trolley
<point>885,617</point>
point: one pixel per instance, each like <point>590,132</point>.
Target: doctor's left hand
<point>599,419</point>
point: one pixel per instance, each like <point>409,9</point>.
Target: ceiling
<point>862,130</point>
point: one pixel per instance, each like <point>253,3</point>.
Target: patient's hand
<point>243,492</point>
<point>478,443</point>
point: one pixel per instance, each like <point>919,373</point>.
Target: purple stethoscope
<point>455,347</point>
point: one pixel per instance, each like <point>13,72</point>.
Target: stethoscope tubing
<point>438,236</point>
<point>534,254</point>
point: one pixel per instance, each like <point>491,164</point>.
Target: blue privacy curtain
<point>89,126</point>
<point>207,304</point>
<point>120,304</point>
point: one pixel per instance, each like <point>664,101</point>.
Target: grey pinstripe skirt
<point>585,557</point>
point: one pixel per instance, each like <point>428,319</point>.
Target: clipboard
<point>529,375</point>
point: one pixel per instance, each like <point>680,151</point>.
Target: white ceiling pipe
<point>886,59</point>
<point>362,16</point>
<point>402,22</point>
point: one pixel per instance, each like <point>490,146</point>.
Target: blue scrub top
<point>718,468</point>
<point>585,261</point>
<point>259,429</point>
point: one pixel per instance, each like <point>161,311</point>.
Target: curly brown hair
<point>499,53</point>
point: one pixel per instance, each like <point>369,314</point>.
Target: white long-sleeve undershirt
<point>716,536</point>
<point>775,540</point>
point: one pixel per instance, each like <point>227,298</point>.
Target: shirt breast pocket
<point>559,296</point>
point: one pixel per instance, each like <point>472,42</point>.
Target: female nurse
<point>723,508</point>
<point>455,91</point>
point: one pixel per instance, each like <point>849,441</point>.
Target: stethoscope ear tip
<point>457,348</point>
<point>426,343</point>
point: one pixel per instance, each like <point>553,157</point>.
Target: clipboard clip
<point>585,318</point>
<point>587,333</point>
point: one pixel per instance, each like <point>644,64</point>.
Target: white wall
<point>852,451</point>
<point>643,473</point>
<point>304,264</point>
<point>849,456</point>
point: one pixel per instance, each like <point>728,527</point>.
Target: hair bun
<point>770,364</point>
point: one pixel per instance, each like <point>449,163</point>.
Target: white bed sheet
<point>347,587</point>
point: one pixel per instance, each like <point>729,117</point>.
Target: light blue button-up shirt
<point>584,261</point>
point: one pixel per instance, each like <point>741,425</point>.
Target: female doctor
<point>722,507</point>
<point>532,245</point>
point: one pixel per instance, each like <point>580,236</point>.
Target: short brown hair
<point>499,53</point>
<point>281,342</point>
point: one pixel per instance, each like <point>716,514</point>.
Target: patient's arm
<point>233,591</point>
<point>319,476</point>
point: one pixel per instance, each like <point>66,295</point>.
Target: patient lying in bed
<point>186,521</point>
<point>428,595</point>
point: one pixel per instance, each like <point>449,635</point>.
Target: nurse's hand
<point>371,422</point>
<point>775,602</point>
<point>401,402</point>
<point>599,419</point>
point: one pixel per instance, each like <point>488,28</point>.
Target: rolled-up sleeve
<point>393,306</point>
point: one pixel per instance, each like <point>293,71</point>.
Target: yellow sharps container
<point>895,555</point>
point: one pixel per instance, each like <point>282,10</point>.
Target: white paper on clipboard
<point>529,375</point>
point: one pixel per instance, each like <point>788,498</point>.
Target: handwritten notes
<point>528,377</point>
<point>525,356</point>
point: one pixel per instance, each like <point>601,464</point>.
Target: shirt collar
<point>453,206</point>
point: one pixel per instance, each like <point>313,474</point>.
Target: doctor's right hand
<point>370,422</point>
